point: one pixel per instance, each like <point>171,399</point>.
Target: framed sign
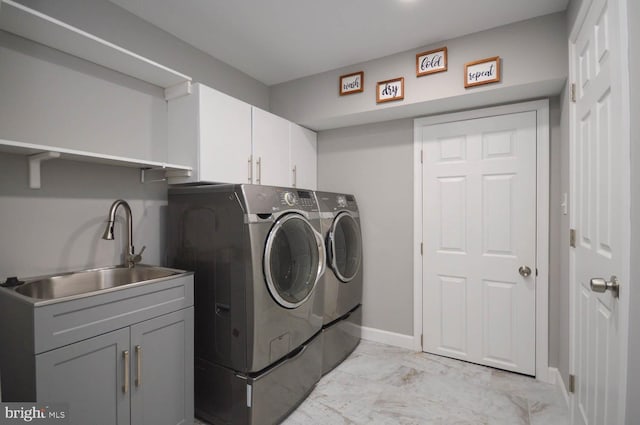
<point>390,90</point>
<point>352,83</point>
<point>431,62</point>
<point>483,71</point>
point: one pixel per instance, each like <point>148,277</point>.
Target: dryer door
<point>294,260</point>
<point>345,247</point>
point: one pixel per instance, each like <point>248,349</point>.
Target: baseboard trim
<point>389,338</point>
<point>556,378</point>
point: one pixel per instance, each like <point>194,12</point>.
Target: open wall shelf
<point>33,25</point>
<point>38,153</point>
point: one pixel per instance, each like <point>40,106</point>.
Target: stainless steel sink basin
<point>86,282</point>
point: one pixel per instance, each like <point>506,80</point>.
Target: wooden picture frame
<point>351,83</point>
<point>390,90</point>
<point>431,61</point>
<point>483,71</point>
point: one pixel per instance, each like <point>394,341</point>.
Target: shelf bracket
<point>34,166</point>
<point>143,176</point>
<point>167,174</point>
<point>179,90</point>
<point>177,173</point>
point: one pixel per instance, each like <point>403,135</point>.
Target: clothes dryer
<point>258,255</point>
<point>342,317</point>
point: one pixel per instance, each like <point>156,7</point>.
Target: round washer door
<point>345,247</point>
<point>293,260</point>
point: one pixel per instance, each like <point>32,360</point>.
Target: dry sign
<point>352,83</point>
<point>431,62</point>
<point>483,71</point>
<point>390,90</point>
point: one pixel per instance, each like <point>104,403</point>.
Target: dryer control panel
<point>331,202</point>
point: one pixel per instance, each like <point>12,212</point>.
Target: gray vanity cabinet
<point>142,373</point>
<point>89,376</point>
<point>122,357</point>
<point>162,370</point>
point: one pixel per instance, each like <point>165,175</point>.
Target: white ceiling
<point>280,40</point>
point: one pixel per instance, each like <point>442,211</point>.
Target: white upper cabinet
<point>226,140</point>
<point>303,157</point>
<point>270,149</point>
<point>211,132</point>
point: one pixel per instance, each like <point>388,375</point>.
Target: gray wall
<point>633,372</point>
<point>48,97</point>
<point>558,227</point>
<point>59,227</point>
<point>534,63</point>
<point>116,25</point>
<point>51,98</point>
<point>375,163</point>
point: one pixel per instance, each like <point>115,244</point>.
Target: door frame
<point>624,301</point>
<point>541,107</point>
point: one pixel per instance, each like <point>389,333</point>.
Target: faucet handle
<point>136,258</point>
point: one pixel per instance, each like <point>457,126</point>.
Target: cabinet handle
<point>259,176</point>
<point>125,358</point>
<point>295,175</point>
<point>250,162</point>
<point>138,366</point>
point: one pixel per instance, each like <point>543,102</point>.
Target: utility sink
<point>90,281</point>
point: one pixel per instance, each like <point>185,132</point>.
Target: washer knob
<point>342,201</point>
<point>289,199</point>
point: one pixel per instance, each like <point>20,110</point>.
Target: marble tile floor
<point>381,384</point>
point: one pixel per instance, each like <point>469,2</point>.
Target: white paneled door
<point>601,217</point>
<point>479,233</point>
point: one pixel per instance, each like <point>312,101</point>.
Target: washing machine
<point>342,282</point>
<point>258,255</point>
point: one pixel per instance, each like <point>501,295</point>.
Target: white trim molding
<point>386,337</point>
<point>555,377</point>
<point>541,107</point>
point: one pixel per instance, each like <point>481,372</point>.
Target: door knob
<point>600,285</point>
<point>524,271</point>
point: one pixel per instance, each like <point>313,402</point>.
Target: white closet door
<point>601,217</point>
<point>479,224</point>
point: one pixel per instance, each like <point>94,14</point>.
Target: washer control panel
<point>298,199</point>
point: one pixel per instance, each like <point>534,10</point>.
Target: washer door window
<point>293,260</point>
<point>345,247</point>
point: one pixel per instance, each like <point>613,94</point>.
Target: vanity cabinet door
<point>90,376</point>
<point>162,370</point>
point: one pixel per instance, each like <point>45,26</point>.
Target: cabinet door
<point>225,138</point>
<point>90,376</point>
<point>303,150</point>
<point>162,366</point>
<point>270,149</point>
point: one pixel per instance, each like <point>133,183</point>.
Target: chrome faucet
<point>131,258</point>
